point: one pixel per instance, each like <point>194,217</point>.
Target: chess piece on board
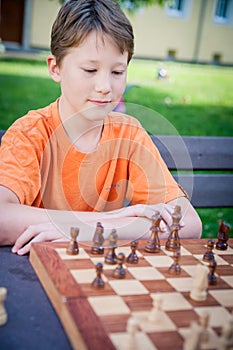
<point>226,339</point>
<point>98,282</point>
<point>98,240</point>
<point>173,241</point>
<point>73,248</point>
<point>131,329</point>
<point>175,267</point>
<point>209,255</point>
<point>223,236</point>
<point>204,322</point>
<point>111,257</point>
<point>132,257</point>
<point>200,283</point>
<point>155,314</point>
<point>119,271</point>
<point>193,339</point>
<point>3,313</point>
<point>212,279</point>
<point>153,244</point>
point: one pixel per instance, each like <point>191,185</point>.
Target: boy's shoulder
<point>38,119</point>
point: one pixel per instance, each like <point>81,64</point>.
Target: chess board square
<point>190,269</point>
<point>126,251</point>
<point>182,284</point>
<point>108,305</point>
<point>228,280</point>
<point>122,341</point>
<point>145,273</point>
<point>172,301</point>
<point>81,255</point>
<point>164,323</point>
<point>85,276</point>
<point>183,251</point>
<point>219,260</point>
<point>224,297</point>
<point>128,287</point>
<point>228,251</point>
<point>218,315</point>
<point>159,261</point>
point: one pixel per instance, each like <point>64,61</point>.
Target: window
<point>178,8</point>
<point>223,11</point>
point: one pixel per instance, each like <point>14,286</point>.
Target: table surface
<point>32,322</point>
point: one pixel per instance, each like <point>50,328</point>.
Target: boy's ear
<point>54,69</point>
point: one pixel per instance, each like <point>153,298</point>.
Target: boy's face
<point>92,78</point>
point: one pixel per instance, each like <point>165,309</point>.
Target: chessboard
<point>99,318</point>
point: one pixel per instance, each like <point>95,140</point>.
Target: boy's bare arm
<point>21,225</point>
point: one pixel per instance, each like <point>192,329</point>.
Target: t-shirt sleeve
<point>150,181</point>
<point>19,164</point>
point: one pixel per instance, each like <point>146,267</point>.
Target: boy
<point>75,162</point>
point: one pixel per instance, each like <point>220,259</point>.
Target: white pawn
<point>3,314</point>
<point>131,328</point>
<point>200,283</point>
<point>193,340</point>
<point>226,339</point>
<point>155,314</point>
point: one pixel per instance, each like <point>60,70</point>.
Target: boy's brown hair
<point>77,18</point>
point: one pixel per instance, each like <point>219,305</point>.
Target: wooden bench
<point>202,165</point>
<point>186,156</point>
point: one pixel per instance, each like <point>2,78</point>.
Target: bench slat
<point>208,190</point>
<point>199,153</point>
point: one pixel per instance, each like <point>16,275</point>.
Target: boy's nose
<point>103,84</point>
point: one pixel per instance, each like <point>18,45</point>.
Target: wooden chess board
<point>97,318</point>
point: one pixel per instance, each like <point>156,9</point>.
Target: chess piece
<point>155,315</point>
<point>193,340</point>
<point>204,321</point>
<point>3,314</point>
<point>226,339</point>
<point>98,240</point>
<point>132,257</point>
<point>73,248</point>
<point>212,279</point>
<point>175,267</point>
<point>119,271</point>
<point>153,244</point>
<point>173,241</point>
<point>131,328</point>
<point>111,257</point>
<point>222,236</point>
<point>209,255</point>
<point>200,283</point>
<point>98,282</point>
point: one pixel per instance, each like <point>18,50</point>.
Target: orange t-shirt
<point>42,167</point>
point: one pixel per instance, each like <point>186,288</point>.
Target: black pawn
<point>209,255</point>
<point>173,241</point>
<point>73,248</point>
<point>153,244</point>
<point>119,271</point>
<point>212,279</point>
<point>98,282</point>
<point>222,236</point>
<point>175,267</point>
<point>132,257</point>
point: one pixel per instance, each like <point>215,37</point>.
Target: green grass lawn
<point>193,100</point>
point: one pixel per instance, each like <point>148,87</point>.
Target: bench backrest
<point>202,165</point>
<point>186,156</point>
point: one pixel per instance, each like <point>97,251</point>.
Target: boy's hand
<point>36,233</point>
<point>144,210</point>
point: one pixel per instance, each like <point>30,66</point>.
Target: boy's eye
<point>89,70</point>
<point>118,72</point>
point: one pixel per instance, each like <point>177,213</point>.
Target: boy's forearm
<point>16,218</point>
